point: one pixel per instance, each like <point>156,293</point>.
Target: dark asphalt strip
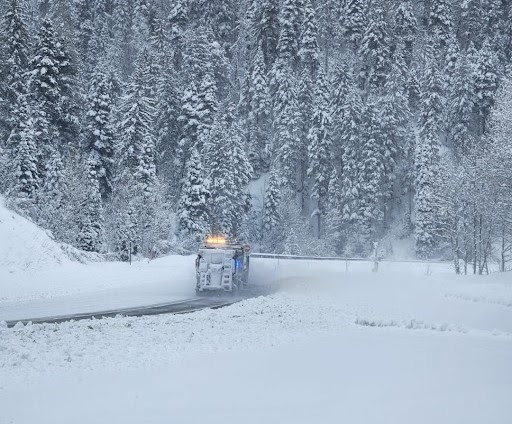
<point>184,306</point>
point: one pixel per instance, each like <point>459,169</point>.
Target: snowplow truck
<point>222,267</point>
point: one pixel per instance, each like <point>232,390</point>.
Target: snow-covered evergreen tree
<point>305,109</point>
<point>90,225</point>
<point>99,136</point>
<point>178,19</point>
<point>341,84</point>
<point>406,27</point>
<point>354,20</point>
<point>461,103</point>
<point>440,20</point>
<point>136,146</point>
<point>258,120</point>
<point>271,209</point>
<point>189,119</point>
<point>319,149</point>
<point>207,103</point>
<point>308,51</point>
<point>372,184</point>
<point>136,121</point>
<point>23,161</point>
<point>375,52</point>
<point>167,127</point>
<point>486,81</point>
<point>286,141</point>
<point>427,157</point>
<point>350,131</point>
<point>195,195</point>
<point>14,57</point>
<point>288,44</point>
<point>54,120</point>
<point>264,28</point>
<point>229,173</point>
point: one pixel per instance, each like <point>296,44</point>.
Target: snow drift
<point>23,245</point>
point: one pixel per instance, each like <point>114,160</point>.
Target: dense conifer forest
<point>300,126</point>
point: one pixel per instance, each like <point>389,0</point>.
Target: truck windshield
<point>217,258</point>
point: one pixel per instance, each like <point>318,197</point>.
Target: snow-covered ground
<point>38,278</point>
<point>24,246</point>
<point>101,286</point>
<point>337,343</point>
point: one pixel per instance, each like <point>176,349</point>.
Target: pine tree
<point>203,55</point>
<point>123,43</point>
<point>259,116</point>
<point>207,104</point>
<point>472,21</point>
<point>229,172</point>
<point>84,13</point>
<point>354,13</point>
<point>394,115</point>
<point>142,21</point>
<point>44,76</point>
<point>350,131</point>
<point>427,156</point>
<point>195,195</point>
<point>309,51</point>
<point>137,116</point>
<point>461,104</point>
<point>50,90</point>
<point>168,126</point>
<point>440,20</point>
<point>372,184</point>
<point>99,136</point>
<point>375,52</point>
<point>90,226</point>
<point>334,221</point>
<point>486,82</point>
<point>219,15</point>
<point>341,84</point>
<point>137,144</point>
<point>14,52</point>
<point>53,89</point>
<point>23,167</point>
<point>271,208</point>
<point>189,120</point>
<point>264,28</point>
<point>178,19</point>
<point>288,46</point>
<point>319,149</point>
<point>286,142</point>
<point>305,97</point>
<point>406,27</point>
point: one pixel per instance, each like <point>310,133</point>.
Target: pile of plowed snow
<point>23,245</point>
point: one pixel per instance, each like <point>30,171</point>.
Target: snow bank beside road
<point>101,286</point>
<point>25,246</point>
<point>38,278</point>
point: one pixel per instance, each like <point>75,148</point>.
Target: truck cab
<point>222,267</point>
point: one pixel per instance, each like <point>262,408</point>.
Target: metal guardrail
<point>337,258</point>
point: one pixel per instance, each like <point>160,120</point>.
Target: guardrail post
<point>375,257</point>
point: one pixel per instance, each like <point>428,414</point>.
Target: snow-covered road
<point>74,288</point>
<point>413,343</point>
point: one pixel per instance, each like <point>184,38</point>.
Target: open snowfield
<point>337,343</point>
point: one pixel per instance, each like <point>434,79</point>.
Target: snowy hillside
<point>41,277</point>
<point>25,246</point>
